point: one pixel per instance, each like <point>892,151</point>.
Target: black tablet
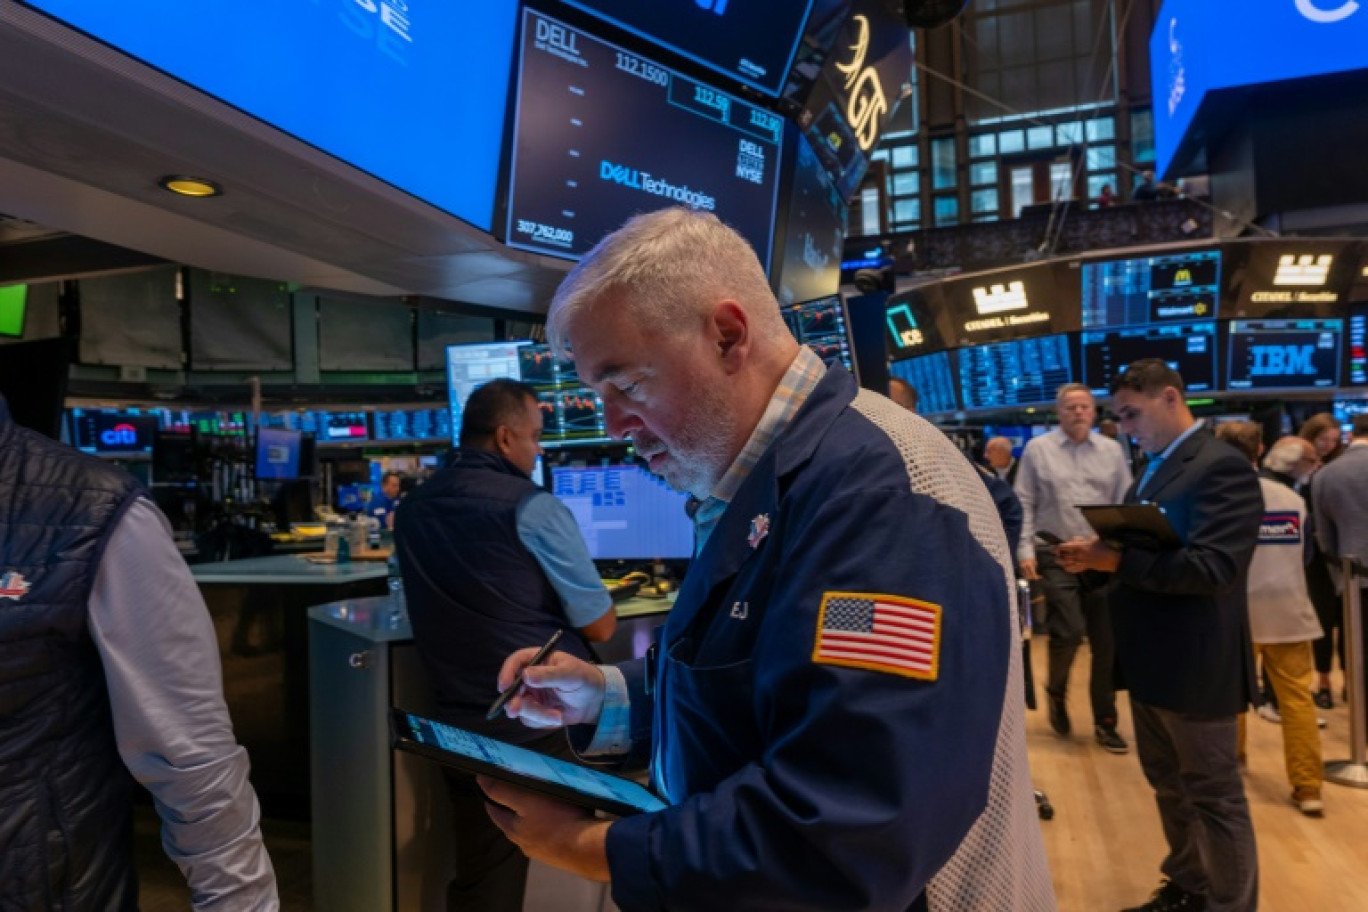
<point>1141,525</point>
<point>474,753</point>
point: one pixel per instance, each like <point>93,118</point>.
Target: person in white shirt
<point>1282,621</point>
<point>1069,466</point>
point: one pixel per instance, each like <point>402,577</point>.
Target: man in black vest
<point>492,563</point>
<point>1181,620</point>
<point>109,665</point>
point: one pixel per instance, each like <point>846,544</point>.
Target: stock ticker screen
<point>931,376</point>
<point>472,365</point>
<point>821,326</point>
<point>571,412</point>
<point>1284,354</point>
<point>1146,290</point>
<point>1356,371</point>
<point>1188,348</point>
<point>624,512</point>
<point>1021,372</point>
<point>413,424</point>
<point>753,43</point>
<point>602,134</point>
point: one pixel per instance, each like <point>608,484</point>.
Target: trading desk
<point>259,610</point>
<point>381,830</point>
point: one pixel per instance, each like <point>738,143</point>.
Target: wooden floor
<point>1104,843</point>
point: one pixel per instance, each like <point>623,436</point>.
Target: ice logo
<point>1327,17</point>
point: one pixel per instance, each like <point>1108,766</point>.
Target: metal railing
<point>1354,771</point>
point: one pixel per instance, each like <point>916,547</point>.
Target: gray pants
<point>1076,603</point>
<point>1190,762</point>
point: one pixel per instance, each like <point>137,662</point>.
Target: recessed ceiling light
<point>190,186</point>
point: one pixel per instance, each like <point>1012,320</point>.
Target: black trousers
<point>1076,604</point>
<point>491,872</point>
<point>1329,611</point>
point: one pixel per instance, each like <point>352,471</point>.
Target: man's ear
<point>503,440</point>
<point>730,326</point>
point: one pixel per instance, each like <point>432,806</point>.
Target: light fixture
<point>189,186</point>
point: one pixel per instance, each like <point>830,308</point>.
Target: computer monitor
<point>353,498</point>
<point>277,454</point>
<point>1018,373</point>
<point>1284,354</point>
<point>412,424</point>
<point>624,512</point>
<point>1356,347</point>
<point>1188,348</point>
<point>1157,289</point>
<point>572,413</point>
<point>933,377</point>
<point>821,326</point>
<point>110,432</point>
<point>473,365</point>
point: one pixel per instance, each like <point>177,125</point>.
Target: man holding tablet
<point>833,708</point>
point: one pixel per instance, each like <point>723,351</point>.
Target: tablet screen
<point>522,766</point>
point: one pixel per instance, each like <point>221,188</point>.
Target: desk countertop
<point>286,569</point>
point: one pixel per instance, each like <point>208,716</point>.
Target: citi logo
<point>620,174</point>
<point>1308,270</point>
<point>119,435</point>
<point>1000,298</point>
<point>1311,11</point>
<point>1280,529</point>
<point>1281,360</point>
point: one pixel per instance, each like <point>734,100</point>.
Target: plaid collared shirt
<point>796,385</point>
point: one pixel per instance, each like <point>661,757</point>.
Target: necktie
<point>1150,469</point>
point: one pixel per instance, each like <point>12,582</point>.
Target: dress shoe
<point>1323,700</point>
<point>1059,715</point>
<point>1107,736</point>
<point>1171,898</point>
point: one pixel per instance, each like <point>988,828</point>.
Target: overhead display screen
<point>1023,372</point>
<point>1284,354</point>
<point>413,424</point>
<point>752,43</point>
<point>932,376</point>
<point>603,134</point>
<point>1158,289</point>
<point>814,227</point>
<point>571,411</point>
<point>410,92</point>
<point>821,326</point>
<point>1356,371</point>
<point>998,305</point>
<point>112,432</point>
<point>1191,53</point>
<point>1291,279</point>
<point>469,366</point>
<point>1188,348</point>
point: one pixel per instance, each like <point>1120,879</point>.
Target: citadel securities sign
<point>1200,47</point>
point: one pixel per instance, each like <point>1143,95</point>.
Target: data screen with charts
<point>931,376</point>
<point>1157,289</point>
<point>1023,372</point>
<point>1284,354</point>
<point>821,326</point>
<point>624,512</point>
<point>571,412</point>
<point>469,366</point>
<point>1188,348</point>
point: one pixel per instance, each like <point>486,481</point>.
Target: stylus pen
<point>502,699</point>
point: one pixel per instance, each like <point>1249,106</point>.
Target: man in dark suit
<point>1182,639</point>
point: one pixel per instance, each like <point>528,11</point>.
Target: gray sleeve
<point>161,663</point>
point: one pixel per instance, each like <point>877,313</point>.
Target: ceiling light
<point>190,186</point>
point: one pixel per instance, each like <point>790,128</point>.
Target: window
<point>1061,180</point>
<point>1040,137</point>
<point>1142,136</point>
<point>947,210</point>
<point>906,184</point>
<point>1102,158</point>
<point>981,173</point>
<point>1068,134</point>
<point>983,201</point>
<point>1023,189</point>
<point>982,146</point>
<point>1097,181</point>
<point>907,211</point>
<point>943,175</point>
<point>1101,128</point>
<point>905,156</point>
<point>1010,141</point>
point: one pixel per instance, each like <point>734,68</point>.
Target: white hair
<point>666,267</point>
<point>1285,455</point>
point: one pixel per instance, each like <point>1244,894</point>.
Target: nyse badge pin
<point>759,528</point>
<point>740,610</point>
<point>13,585</point>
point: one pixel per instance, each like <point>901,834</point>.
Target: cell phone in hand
<point>1048,538</point>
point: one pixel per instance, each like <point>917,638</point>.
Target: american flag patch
<point>879,632</point>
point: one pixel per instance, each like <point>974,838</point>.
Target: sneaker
<point>1320,722</point>
<point>1171,898</point>
<point>1269,713</point>
<point>1323,700</point>
<point>1106,736</point>
<point>1059,715</point>
<point>1308,800</point>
